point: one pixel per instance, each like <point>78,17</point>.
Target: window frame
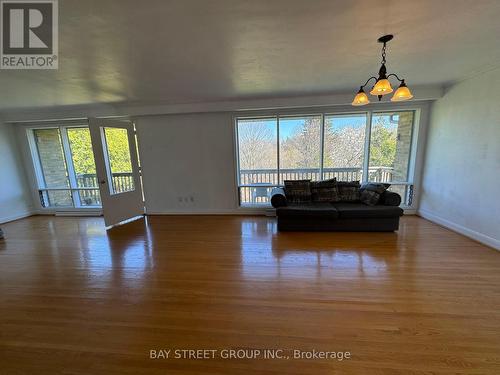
<point>415,158</point>
<point>40,189</point>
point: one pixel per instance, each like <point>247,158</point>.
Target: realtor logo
<point>29,37</point>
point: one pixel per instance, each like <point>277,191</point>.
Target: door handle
<point>102,182</point>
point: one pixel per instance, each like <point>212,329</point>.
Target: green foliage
<point>81,149</point>
<point>83,157</point>
<point>382,146</point>
<point>118,150</point>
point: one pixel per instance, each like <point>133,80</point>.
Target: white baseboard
<point>264,211</point>
<point>479,237</point>
<point>238,212</point>
<point>6,219</point>
<point>79,213</point>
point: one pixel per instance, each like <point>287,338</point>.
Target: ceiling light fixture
<point>382,84</point>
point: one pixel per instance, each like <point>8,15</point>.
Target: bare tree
<point>302,149</point>
<point>257,145</point>
<point>344,147</point>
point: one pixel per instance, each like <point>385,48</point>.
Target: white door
<point>117,168</point>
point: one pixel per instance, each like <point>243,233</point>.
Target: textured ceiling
<point>189,51</point>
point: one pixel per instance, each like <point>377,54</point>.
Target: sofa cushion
<point>360,210</point>
<point>325,191</point>
<point>348,191</point>
<point>298,191</point>
<point>315,209</point>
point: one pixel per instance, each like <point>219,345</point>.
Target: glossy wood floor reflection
<point>77,300</point>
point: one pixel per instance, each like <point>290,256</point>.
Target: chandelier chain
<point>383,54</point>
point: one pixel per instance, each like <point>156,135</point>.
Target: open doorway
<point>88,165</point>
<point>115,151</point>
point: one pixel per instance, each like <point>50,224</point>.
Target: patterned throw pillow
<point>371,192</point>
<point>369,197</point>
<point>298,191</point>
<point>378,187</point>
<point>325,191</point>
<point>348,191</point>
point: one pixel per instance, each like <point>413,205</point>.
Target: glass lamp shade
<point>401,94</point>
<point>382,87</point>
<point>360,99</point>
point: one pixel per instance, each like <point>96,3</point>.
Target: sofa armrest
<point>390,198</point>
<point>278,197</point>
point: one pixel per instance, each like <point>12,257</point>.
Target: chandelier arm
<point>368,80</point>
<point>395,75</point>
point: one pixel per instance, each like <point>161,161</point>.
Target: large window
<point>349,147</point>
<point>64,166</point>
<point>258,158</point>
<point>300,148</point>
<point>344,149</point>
<point>52,165</point>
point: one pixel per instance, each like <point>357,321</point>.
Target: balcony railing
<point>253,193</point>
<point>254,177</point>
<point>121,182</point>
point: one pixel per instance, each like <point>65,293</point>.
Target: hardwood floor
<point>77,300</point>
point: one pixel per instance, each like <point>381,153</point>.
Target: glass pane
<point>300,148</point>
<point>90,197</point>
<point>390,145</point>
<point>51,156</point>
<point>82,157</point>
<point>84,166</point>
<point>344,147</point>
<point>120,164</point>
<point>257,148</point>
<point>57,198</point>
<point>255,195</point>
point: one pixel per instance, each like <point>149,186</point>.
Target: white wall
<point>15,197</point>
<point>461,181</point>
<point>188,155</point>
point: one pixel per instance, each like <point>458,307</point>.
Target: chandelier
<point>382,85</point>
